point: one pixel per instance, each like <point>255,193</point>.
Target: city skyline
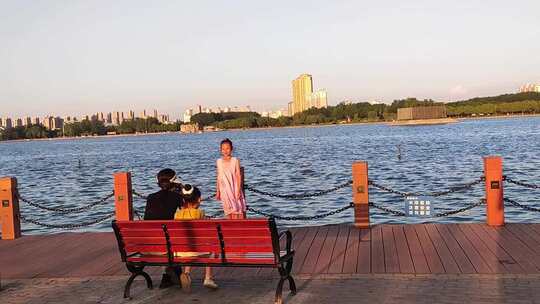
<point>55,56</point>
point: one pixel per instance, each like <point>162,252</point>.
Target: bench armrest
<point>288,244</point>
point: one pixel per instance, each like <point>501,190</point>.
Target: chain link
<point>301,218</point>
<point>138,213</point>
<point>524,207</point>
<point>469,207</point>
<point>384,188</point>
<point>137,194</point>
<point>388,210</point>
<point>208,198</point>
<point>441,214</point>
<point>67,226</point>
<point>432,194</point>
<point>299,196</point>
<point>515,182</point>
<point>65,210</point>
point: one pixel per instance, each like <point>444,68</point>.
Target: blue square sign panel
<point>418,206</point>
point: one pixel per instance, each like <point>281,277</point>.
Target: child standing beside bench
<point>191,211</point>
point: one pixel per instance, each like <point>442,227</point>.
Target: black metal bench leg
<point>135,272</point>
<point>279,289</point>
<point>148,280</point>
<point>128,285</point>
<point>292,285</point>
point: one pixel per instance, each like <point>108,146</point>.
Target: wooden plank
<point>525,251</point>
<point>365,235</point>
<point>391,261</point>
<point>527,236</point>
<point>453,258</point>
<point>351,251</point>
<point>303,249</point>
<point>403,252</point>
<point>432,258</point>
<point>513,247</point>
<point>364,257</point>
<point>332,249</point>
<point>325,257</point>
<point>27,261</point>
<point>76,255</point>
<point>488,256</point>
<point>529,230</point>
<point>476,259</point>
<point>340,249</point>
<point>24,240</point>
<point>417,254</point>
<point>97,263</point>
<point>66,254</point>
<point>535,227</point>
<point>377,250</point>
<point>502,256</point>
<point>314,251</point>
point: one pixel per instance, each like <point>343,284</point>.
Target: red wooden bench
<point>230,243</point>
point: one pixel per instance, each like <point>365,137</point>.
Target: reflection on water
<point>69,173</point>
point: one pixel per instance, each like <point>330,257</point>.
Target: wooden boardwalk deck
<point>323,250</point>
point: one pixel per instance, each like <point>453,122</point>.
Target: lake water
<point>70,173</point>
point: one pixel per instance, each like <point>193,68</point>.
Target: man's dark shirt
<point>162,205</point>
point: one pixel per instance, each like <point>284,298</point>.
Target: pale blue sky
<point>75,57</point>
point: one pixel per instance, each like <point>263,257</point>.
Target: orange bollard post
<point>493,171</point>
<point>123,196</point>
<point>9,209</point>
<point>360,194</point>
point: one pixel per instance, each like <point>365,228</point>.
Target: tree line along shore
<point>507,104</point>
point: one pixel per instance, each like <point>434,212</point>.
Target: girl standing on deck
<point>229,180</point>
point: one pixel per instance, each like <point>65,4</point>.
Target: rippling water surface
<point>71,173</point>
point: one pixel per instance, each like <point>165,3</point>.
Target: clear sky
<point>75,57</point>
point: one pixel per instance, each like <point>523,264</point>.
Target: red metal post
<point>360,194</point>
<point>123,196</point>
<point>493,171</point>
<point>9,209</point>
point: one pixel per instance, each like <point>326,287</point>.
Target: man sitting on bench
<point>161,206</point>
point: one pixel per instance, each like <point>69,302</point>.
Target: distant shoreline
<point>389,123</point>
<point>86,137</point>
<point>497,116</point>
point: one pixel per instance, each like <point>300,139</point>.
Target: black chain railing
<point>299,196</point>
<point>142,196</point>
<point>451,190</point>
<point>24,219</point>
<point>469,207</point>
<point>65,210</point>
<point>519,183</point>
<point>524,207</point>
<point>440,214</point>
<point>139,195</point>
<point>140,211</point>
<point>301,218</point>
<point>387,210</point>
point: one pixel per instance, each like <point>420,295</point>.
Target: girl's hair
<point>164,178</point>
<point>226,141</point>
<point>191,194</point>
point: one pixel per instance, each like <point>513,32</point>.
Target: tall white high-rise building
<point>318,99</point>
<point>187,115</point>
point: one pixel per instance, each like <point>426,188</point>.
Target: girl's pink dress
<point>228,181</point>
